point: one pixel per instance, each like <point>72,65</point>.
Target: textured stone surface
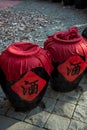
<point>49,104</point>
<point>84,81</point>
<point>37,117</point>
<point>11,124</point>
<point>64,109</point>
<point>51,93</point>
<point>80,113</point>
<point>17,115</point>
<point>83,99</point>
<point>68,98</point>
<point>4,106</point>
<point>56,122</point>
<point>77,125</point>
<point>71,97</point>
<point>6,123</point>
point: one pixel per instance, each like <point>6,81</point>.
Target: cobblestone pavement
<point>34,20</point>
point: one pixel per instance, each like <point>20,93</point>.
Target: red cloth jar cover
<point>24,73</point>
<point>20,57</point>
<point>65,44</point>
<point>68,50</point>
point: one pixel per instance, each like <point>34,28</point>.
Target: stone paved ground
<point>34,20</point>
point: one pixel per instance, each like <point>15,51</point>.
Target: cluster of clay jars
<point>26,68</point>
<point>79,4</point>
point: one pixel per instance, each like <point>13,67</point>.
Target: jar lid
<point>57,37</point>
<point>70,36</point>
<point>23,49</point>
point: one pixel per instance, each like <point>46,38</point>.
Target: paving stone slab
<point>11,124</point>
<point>51,93</point>
<point>24,126</point>
<point>49,104</point>
<point>37,117</point>
<point>83,99</point>
<point>71,97</point>
<point>84,86</point>
<point>80,113</point>
<point>56,122</point>
<point>77,125</point>
<point>68,98</point>
<point>6,122</point>
<point>17,115</point>
<point>64,109</point>
<point>84,80</point>
<point>4,106</point>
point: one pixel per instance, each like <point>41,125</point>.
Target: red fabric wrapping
<point>20,57</point>
<point>64,44</point>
